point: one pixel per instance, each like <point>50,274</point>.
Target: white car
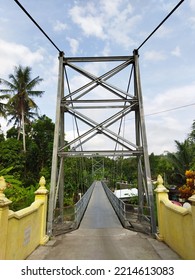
<point>126,193</point>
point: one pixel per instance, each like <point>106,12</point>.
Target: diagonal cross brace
<point>101,80</point>
<point>100,126</point>
<point>91,136</point>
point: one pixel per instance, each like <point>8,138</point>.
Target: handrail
<point>130,215</point>
<point>81,205</point>
<point>117,204</point>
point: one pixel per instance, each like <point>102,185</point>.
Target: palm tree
<point>3,105</point>
<point>182,159</point>
<point>192,133</point>
<point>21,107</point>
<point>191,138</point>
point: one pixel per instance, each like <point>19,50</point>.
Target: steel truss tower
<point>72,101</point>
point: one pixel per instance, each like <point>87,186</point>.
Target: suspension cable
<point>24,10</point>
<point>160,24</point>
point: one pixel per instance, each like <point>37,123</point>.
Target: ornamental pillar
<point>4,212</point>
<point>42,194</point>
<point>192,200</point>
<point>161,195</point>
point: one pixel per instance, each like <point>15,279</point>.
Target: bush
<point>21,197</point>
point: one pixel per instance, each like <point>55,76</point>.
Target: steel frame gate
<point>126,103</point>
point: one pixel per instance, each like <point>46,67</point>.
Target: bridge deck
<point>102,237</point>
<point>99,213</point>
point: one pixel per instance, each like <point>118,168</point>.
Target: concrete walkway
<point>102,237</point>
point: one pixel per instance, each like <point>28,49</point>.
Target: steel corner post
<point>57,131</point>
<point>142,139</point>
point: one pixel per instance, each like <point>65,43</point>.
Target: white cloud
<point>176,51</point>
<point>192,4</point>
<point>59,26</point>
<point>107,50</point>
<point>109,21</point>
<point>162,133</point>
<point>12,54</point>
<point>192,22</point>
<point>3,20</point>
<point>122,36</point>
<point>166,6</point>
<point>89,23</point>
<point>170,125</point>
<point>74,45</point>
<point>171,98</point>
<point>110,7</point>
<point>154,55</point>
<point>163,32</point>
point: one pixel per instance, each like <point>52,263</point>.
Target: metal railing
<point>81,205</point>
<point>131,216</point>
<point>128,214</point>
<point>117,204</point>
<point>72,215</point>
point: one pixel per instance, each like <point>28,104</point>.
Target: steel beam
<point>98,153</point>
<point>98,59</point>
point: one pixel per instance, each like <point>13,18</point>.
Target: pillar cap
<point>160,186</point>
<point>4,201</point>
<point>42,189</point>
<point>192,199</point>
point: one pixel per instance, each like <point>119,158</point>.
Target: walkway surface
<point>102,237</point>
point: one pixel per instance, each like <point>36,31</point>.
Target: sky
<point>109,28</point>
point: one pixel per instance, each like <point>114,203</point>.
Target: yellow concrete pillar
<point>4,211</point>
<point>192,200</point>
<point>42,194</point>
<point>161,194</point>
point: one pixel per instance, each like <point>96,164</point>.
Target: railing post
<point>4,211</point>
<point>161,194</point>
<point>42,194</point>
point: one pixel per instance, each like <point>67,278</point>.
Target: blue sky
<point>111,27</point>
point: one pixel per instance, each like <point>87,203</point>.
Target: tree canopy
<point>21,107</point>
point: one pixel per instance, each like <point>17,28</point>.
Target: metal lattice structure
<point>98,168</point>
<point>115,104</point>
